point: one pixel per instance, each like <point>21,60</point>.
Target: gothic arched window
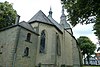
<point>1,48</point>
<point>63,65</point>
<point>28,37</point>
<point>42,42</point>
<point>58,45</point>
<point>26,51</point>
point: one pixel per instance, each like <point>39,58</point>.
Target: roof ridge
<point>41,17</point>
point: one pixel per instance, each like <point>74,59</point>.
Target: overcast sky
<point>27,8</point>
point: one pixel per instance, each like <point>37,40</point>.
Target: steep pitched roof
<point>22,24</point>
<point>40,17</point>
<point>26,25</point>
<point>55,23</point>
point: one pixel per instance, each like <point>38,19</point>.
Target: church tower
<point>63,21</point>
<point>50,13</point>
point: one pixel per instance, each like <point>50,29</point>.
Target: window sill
<point>43,52</point>
<point>26,56</point>
<point>28,41</point>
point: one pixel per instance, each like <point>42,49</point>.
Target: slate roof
<point>55,23</point>
<point>26,25</point>
<point>22,24</point>
<point>66,25</point>
<point>40,17</point>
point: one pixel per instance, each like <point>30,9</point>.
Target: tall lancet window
<point>26,51</point>
<point>58,45</point>
<point>42,42</point>
<point>28,37</point>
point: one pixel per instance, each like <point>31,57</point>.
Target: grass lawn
<point>90,66</point>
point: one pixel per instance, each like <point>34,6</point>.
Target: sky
<point>28,8</point>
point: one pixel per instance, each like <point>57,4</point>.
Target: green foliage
<point>84,12</point>
<point>97,27</point>
<point>81,10</point>
<point>86,46</point>
<point>7,14</point>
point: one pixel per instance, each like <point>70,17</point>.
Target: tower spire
<point>63,21</point>
<point>63,16</point>
<point>50,12</point>
<point>62,10</point>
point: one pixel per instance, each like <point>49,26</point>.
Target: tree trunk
<point>84,60</point>
<point>88,59</point>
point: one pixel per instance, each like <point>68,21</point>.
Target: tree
<point>7,14</point>
<point>84,12</point>
<point>86,46</point>
<point>97,29</point>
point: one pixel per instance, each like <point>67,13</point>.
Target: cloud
<point>27,8</point>
<point>85,30</point>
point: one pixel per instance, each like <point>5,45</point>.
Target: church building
<point>40,42</point>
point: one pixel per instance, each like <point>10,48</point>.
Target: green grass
<point>90,66</point>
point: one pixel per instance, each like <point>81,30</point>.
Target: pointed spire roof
<point>53,21</point>
<point>50,12</point>
<point>63,21</point>
<point>63,12</point>
<point>40,17</point>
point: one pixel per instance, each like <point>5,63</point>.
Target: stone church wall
<point>35,26</point>
<point>49,58</point>
<point>8,57</point>
<point>76,55</point>
<point>29,60</point>
<point>7,45</point>
<point>68,49</point>
<point>45,58</point>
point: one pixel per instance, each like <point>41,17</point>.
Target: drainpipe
<point>16,40</point>
<point>16,44</point>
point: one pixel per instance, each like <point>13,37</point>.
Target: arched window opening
<point>58,45</point>
<point>26,51</point>
<point>39,65</point>
<point>63,65</point>
<point>42,42</point>
<point>1,48</point>
<point>28,37</point>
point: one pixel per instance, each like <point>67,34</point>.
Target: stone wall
<point>7,45</point>
<point>22,60</point>
<point>68,49</point>
<point>49,58</point>
<point>13,43</point>
<point>76,55</point>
